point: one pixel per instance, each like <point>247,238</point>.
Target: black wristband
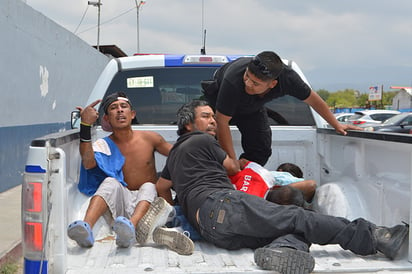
<point>85,133</point>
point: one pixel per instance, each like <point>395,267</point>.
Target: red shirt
<point>253,179</point>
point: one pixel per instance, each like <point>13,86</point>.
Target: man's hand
<point>243,162</point>
<point>231,165</point>
<point>89,114</point>
<point>342,128</point>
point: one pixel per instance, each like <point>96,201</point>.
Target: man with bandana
<point>119,172</point>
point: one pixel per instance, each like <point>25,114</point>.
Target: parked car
<point>343,117</point>
<point>401,123</point>
<point>367,118</point>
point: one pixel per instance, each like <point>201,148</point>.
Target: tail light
<point>33,220</point>
<point>32,208</point>
<point>33,236</point>
<point>33,197</point>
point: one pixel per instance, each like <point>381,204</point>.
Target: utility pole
<point>203,48</point>
<point>138,5</point>
<point>97,4</point>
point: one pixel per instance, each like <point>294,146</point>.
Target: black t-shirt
<point>195,167</point>
<point>232,100</point>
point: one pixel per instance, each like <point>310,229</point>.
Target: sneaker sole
<point>156,216</point>
<point>284,260</point>
<point>174,240</point>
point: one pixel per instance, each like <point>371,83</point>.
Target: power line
<point>203,48</point>
<point>108,21</point>
<point>81,20</point>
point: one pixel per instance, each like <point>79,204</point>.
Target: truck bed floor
<point>105,257</point>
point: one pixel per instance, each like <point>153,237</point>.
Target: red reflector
<point>33,197</point>
<point>33,236</point>
<point>358,122</point>
<point>205,59</point>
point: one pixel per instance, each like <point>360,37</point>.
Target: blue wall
<point>45,72</point>
<point>14,145</point>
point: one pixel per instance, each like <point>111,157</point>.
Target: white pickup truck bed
<point>352,183</point>
<point>106,257</point>
<point>337,197</point>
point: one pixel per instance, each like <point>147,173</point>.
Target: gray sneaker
<point>174,239</point>
<point>284,260</point>
<point>156,216</point>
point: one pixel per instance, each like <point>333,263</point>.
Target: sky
<point>351,44</point>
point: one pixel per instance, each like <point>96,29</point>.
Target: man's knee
<point>108,188</point>
<point>147,192</point>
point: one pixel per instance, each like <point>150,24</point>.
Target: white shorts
<point>122,201</point>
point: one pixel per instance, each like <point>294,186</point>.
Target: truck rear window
<point>157,94</point>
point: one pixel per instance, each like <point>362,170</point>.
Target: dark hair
<point>292,169</point>
<point>267,65</point>
<point>113,98</point>
<point>186,114</point>
<point>286,195</point>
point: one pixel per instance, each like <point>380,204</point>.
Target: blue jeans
<point>233,219</point>
<point>181,221</point>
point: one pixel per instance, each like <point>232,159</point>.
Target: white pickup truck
<point>363,174</point>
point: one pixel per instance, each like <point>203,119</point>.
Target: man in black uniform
<point>197,169</point>
<point>238,94</point>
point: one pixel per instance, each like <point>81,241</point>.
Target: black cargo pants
<point>233,219</point>
<point>254,127</point>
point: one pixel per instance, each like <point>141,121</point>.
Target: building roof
<point>406,89</point>
<point>112,50</point>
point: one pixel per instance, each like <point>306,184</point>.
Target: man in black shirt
<point>197,169</point>
<point>239,92</point>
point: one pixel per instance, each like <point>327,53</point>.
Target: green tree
<point>362,100</point>
<point>342,98</point>
<point>323,93</point>
<point>387,97</point>
<point>350,98</point>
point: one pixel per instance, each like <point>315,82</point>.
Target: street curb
<point>12,255</point>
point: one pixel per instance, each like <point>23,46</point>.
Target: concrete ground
<point>10,220</point>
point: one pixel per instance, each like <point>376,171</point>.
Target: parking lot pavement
<point>10,220</point>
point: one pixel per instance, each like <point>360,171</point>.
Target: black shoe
<point>285,260</point>
<point>389,240</point>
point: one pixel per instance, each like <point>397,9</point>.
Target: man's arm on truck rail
<point>88,116</point>
<point>320,106</point>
